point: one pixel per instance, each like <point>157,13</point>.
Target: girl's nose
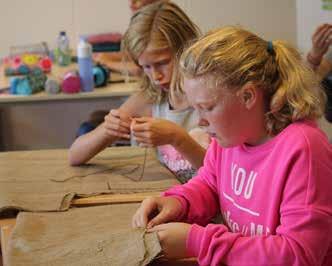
<point>156,76</point>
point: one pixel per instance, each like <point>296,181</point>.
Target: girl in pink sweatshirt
<point>268,170</point>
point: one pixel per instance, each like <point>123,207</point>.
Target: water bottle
<point>62,52</point>
<point>85,65</point>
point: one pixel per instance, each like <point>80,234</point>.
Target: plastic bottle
<point>62,53</point>
<point>85,65</point>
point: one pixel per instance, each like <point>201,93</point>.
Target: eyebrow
<point>213,100</point>
<point>159,58</point>
<point>161,49</point>
<point>206,102</point>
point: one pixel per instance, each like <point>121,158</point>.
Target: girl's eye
<point>163,62</point>
<point>209,108</point>
<point>204,109</point>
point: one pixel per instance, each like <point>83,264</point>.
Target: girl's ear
<point>248,95</point>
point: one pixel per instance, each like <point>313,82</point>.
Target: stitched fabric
<point>43,180</point>
<point>84,236</point>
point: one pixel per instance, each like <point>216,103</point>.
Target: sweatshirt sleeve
<point>304,234</point>
<point>199,197</point>
<point>303,242</point>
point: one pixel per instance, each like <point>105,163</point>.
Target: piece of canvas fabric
<point>81,236</point>
<point>44,181</point>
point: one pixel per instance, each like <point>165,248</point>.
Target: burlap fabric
<point>83,236</point>
<point>43,180</point>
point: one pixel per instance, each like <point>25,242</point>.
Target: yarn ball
<point>71,83</point>
<point>52,86</point>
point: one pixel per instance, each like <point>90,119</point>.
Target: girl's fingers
<point>116,120</point>
<point>117,114</point>
<point>119,129</point>
<point>157,228</point>
<point>327,37</point>
<point>138,219</point>
<point>319,30</point>
<point>135,220</point>
<point>148,206</point>
<point>145,141</point>
<point>125,124</point>
<point>143,119</point>
<point>116,124</point>
<point>117,134</point>
<point>142,134</point>
<point>143,220</point>
<point>329,43</point>
<point>161,218</point>
<point>321,38</point>
<point>139,127</point>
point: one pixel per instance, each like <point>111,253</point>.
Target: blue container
<point>85,65</point>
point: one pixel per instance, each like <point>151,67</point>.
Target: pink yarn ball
<point>71,83</point>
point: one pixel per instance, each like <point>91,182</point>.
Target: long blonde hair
<point>234,56</point>
<point>162,24</point>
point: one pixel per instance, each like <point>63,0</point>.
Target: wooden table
<point>7,225</point>
<point>113,199</point>
<point>51,121</point>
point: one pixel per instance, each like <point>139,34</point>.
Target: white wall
<point>269,18</point>
<point>309,14</point>
<point>29,21</point>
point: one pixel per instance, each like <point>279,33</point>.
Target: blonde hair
<point>233,56</point>
<point>161,24</point>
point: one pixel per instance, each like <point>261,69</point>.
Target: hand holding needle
<point>133,121</point>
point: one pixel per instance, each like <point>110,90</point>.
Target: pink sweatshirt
<point>275,198</point>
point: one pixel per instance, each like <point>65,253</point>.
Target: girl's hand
<point>117,124</point>
<point>158,209</point>
<point>321,40</point>
<point>152,132</point>
<point>173,238</point>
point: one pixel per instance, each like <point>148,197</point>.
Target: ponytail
<point>297,93</point>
